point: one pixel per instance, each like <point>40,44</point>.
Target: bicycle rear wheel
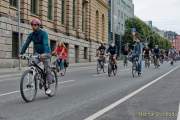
<point>133,70</point>
<point>53,84</point>
<point>115,70</point>
<point>109,69</point>
<point>28,90</point>
<point>98,67</point>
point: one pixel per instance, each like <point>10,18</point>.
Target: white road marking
<point>178,115</point>
<point>9,75</point>
<point>67,81</point>
<point>10,79</point>
<point>9,93</point>
<point>115,104</point>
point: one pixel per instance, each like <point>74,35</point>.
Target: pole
<point>112,4</point>
<point>19,34</point>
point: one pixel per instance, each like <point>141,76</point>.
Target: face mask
<point>112,44</point>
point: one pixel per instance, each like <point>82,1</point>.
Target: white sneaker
<point>48,91</point>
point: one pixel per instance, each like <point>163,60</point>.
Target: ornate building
<point>81,24</point>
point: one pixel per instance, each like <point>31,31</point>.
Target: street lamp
<point>112,7</point>
<point>19,34</point>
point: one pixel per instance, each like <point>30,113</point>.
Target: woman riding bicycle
<point>61,53</point>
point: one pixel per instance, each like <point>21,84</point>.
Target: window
<point>84,4</point>
<point>34,6</point>
<point>97,24</point>
<point>50,9</point>
<point>103,27</point>
<point>14,3</point>
<point>15,44</point>
<point>63,11</point>
<point>52,44</point>
<point>74,13</point>
<point>85,52</point>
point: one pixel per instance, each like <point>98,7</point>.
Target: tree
<point>145,32</point>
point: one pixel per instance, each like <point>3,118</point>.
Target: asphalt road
<point>82,94</point>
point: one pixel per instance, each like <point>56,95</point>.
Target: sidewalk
<point>16,70</point>
<point>4,71</point>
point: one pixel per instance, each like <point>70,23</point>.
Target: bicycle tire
<point>109,70</point>
<point>55,81</point>
<point>22,90</point>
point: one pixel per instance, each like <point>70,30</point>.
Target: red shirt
<point>61,52</point>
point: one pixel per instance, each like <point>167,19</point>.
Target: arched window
<point>97,25</point>
<point>103,27</point>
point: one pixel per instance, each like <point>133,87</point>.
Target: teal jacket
<point>40,41</point>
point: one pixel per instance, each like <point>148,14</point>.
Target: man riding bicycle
<point>126,53</point>
<point>101,52</point>
<point>113,53</point>
<point>156,56</point>
<point>146,52</point>
<point>41,48</point>
<point>137,53</point>
<point>172,53</point>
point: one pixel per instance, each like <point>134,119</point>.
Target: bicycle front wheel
<point>28,86</point>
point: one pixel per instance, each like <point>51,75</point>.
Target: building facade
<point>80,24</point>
<point>170,35</point>
<point>120,11</point>
<point>176,43</point>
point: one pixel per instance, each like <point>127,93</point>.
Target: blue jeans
<point>139,67</point>
<point>60,63</point>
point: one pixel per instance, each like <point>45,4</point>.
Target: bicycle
<point>125,60</point>
<point>135,65</point>
<point>58,68</point>
<point>35,76</point>
<point>147,61</point>
<point>112,67</point>
<point>100,64</point>
<point>156,61</point>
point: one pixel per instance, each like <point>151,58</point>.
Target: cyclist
<point>101,52</point>
<point>162,54</point>
<point>61,53</point>
<point>172,53</point>
<point>41,47</point>
<point>146,53</point>
<point>126,53</point>
<point>137,53</point>
<point>156,52</point>
<point>113,53</point>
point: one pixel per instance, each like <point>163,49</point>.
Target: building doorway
<point>76,54</point>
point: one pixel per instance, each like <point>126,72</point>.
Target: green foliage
<point>145,32</point>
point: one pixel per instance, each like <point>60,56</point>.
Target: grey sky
<point>165,14</point>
